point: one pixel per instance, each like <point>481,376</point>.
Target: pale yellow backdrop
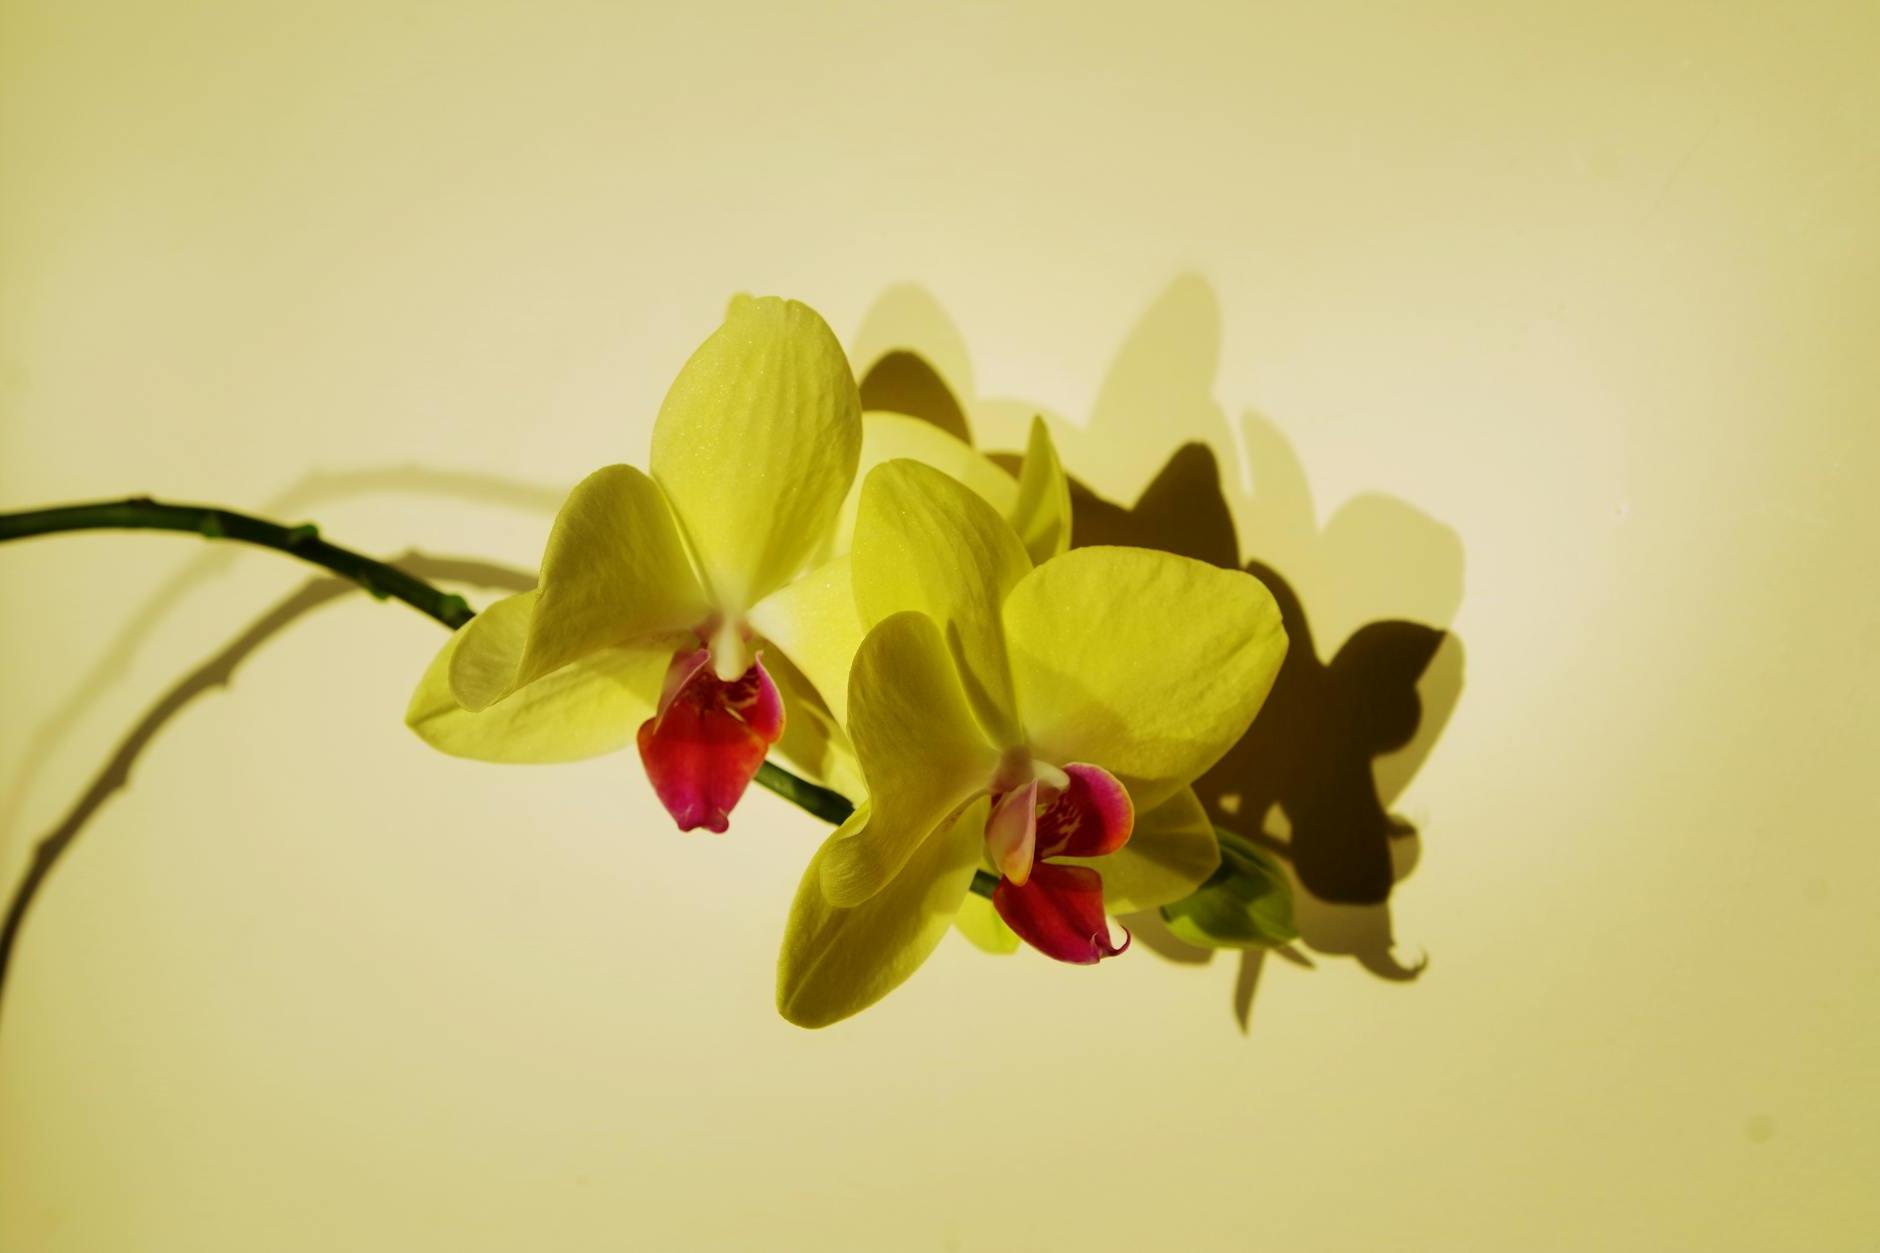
<point>1552,323</point>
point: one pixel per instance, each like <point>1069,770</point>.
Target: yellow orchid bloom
<point>1048,719</point>
<point>814,620</point>
<point>650,586</point>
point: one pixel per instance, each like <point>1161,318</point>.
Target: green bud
<point>1247,904</point>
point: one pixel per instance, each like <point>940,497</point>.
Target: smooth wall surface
<point>1552,325</point>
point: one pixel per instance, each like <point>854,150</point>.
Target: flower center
<point>1042,813</point>
<point>1040,810</point>
<point>704,745</point>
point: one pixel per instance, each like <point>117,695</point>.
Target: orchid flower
<point>815,622</point>
<point>1045,722</point>
<point>641,628</point>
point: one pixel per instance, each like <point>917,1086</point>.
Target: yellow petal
<point>1170,853</point>
<point>980,923</point>
<point>1042,513</point>
<point>1144,663</point>
<point>756,446</point>
<point>890,436</point>
<point>481,660</point>
<point>837,961</point>
<point>587,708</point>
<point>814,745</point>
<point>925,542</point>
<point>814,621</point>
<point>921,753</point>
<point>614,571</point>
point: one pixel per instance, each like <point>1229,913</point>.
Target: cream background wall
<point>1551,323</point>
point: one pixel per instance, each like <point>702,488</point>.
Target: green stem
<point>831,807</point>
<point>140,513</point>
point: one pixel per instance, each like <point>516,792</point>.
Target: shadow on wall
<point>1338,739</point>
<point>217,671</point>
<point>311,491</point>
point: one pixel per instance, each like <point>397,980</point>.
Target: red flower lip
<point>1054,907</point>
<point>1059,912</point>
<point>703,747</point>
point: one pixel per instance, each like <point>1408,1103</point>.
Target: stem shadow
<point>217,671</point>
<point>308,494</point>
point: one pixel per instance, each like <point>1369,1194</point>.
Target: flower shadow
<point>1339,738</point>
